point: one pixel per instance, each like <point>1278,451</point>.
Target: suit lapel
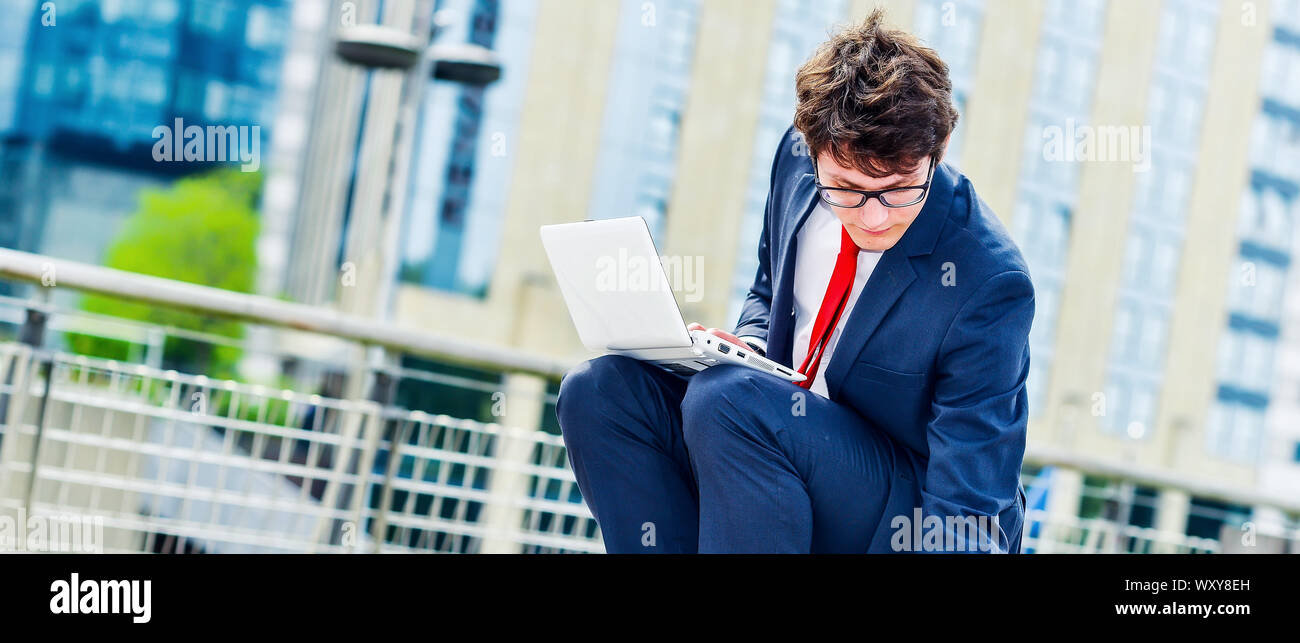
<point>803,198</point>
<point>891,277</point>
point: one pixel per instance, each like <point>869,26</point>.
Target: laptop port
<point>723,348</point>
<point>740,354</point>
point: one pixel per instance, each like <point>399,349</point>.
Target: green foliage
<point>201,230</point>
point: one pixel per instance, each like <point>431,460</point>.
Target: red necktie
<point>837,292</point>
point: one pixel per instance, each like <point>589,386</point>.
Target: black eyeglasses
<point>891,198</point>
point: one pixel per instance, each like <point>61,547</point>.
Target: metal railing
<point>170,461</point>
<point>1047,535</point>
<point>177,462</point>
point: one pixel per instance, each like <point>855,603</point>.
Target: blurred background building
<point>83,95</point>
<point>1165,381</point>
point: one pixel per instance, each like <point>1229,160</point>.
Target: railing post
<point>380,527</point>
<point>524,398</point>
<point>1171,511</point>
<point>155,345</point>
<point>33,335</point>
<point>1123,517</point>
<point>1062,504</point>
<point>353,423</point>
<point>382,393</point>
<point>22,366</point>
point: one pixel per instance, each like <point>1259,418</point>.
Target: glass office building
<point>86,83</point>
<point>13,38</point>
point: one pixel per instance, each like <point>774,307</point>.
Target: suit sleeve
<point>757,309</point>
<point>981,415</point>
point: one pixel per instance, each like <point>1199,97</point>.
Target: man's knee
<point>728,384</point>
<point>725,398</point>
<point>588,385</point>
<point>583,379</point>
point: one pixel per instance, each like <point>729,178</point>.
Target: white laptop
<point>619,298</point>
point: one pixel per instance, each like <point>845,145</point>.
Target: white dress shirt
<point>819,245</point>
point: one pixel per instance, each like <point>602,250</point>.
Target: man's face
<point>872,226</point>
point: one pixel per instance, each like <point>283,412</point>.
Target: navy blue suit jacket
<point>935,352</point>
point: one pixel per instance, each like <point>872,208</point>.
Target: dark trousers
<point>728,460</point>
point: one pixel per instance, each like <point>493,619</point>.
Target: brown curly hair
<point>875,99</point>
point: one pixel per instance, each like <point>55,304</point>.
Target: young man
<point>885,280</point>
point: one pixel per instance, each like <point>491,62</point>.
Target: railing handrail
<point>62,273</point>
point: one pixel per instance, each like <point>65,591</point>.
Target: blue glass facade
<point>14,25</point>
<point>464,154</point>
<point>1265,232</point>
<point>87,82</point>
<point>798,27</point>
<point>649,79</point>
<point>1048,190</point>
<point>115,70</point>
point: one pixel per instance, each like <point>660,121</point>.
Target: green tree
<point>202,230</point>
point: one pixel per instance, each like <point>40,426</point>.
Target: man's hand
<point>719,333</point>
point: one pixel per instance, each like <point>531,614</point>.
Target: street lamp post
<point>374,47</point>
<point>383,161</point>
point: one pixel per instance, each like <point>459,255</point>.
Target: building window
<point>1236,427</point>
<point>1209,518</point>
<point>209,16</point>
